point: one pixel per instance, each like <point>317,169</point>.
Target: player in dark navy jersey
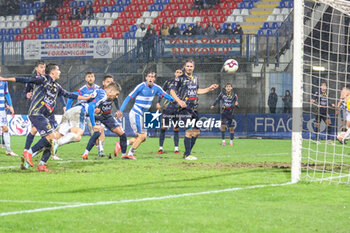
<point>185,91</point>
<point>41,109</point>
<point>168,114</point>
<point>229,100</point>
<point>321,99</point>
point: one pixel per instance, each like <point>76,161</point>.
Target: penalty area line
<point>140,199</point>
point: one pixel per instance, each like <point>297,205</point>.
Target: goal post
<point>321,69</point>
<point>297,91</point>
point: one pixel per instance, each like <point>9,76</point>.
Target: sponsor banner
<point>68,48</point>
<point>277,126</point>
<point>219,45</point>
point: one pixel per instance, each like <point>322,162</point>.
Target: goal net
<point>324,36</point>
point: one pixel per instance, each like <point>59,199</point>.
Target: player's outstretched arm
<point>208,89</point>
<point>177,99</point>
<point>216,101</point>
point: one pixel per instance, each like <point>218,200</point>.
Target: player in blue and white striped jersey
<point>4,93</point>
<point>143,95</point>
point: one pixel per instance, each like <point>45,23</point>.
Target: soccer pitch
<point>243,188</point>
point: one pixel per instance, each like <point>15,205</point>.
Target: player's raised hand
<point>213,87</point>
<point>119,114</point>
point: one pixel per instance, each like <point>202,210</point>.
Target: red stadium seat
<point>211,12</point>
<point>227,12</point>
<point>216,25</point>
<point>80,35</point>
<point>144,8</point>
<point>132,21</point>
<point>205,19</point>
<point>76,22</point>
<point>78,29</point>
<point>138,14</point>
<point>111,3</point>
<point>125,28</point>
<point>60,17</point>
<point>39,24</point>
<point>164,20</point>
<point>70,30</point>
<point>158,26</point>
<point>195,13</point>
<point>47,24</point>
<point>98,9</point>
<point>222,19</point>
<point>156,21</point>
<point>117,21</point>
<point>65,3</point>
<point>214,19</point>
<point>25,31</point>
<point>67,10</point>
<point>129,14</point>
<point>64,36</point>
<point>225,5</point>
<point>31,31</point>
<point>233,5</point>
<point>203,13</point>
<point>103,35</point>
<point>117,29</point>
<point>18,37</point>
<point>39,31</point>
<point>142,2</point>
<point>172,20</point>
<point>178,13</point>
<point>122,15</point>
<point>33,37</point>
<point>72,36</point>
<point>149,2</point>
<point>63,30</point>
<point>175,7</point>
<point>109,29</point>
<point>62,23</point>
<point>26,37</point>
<point>32,24</point>
<point>69,23</point>
<point>163,13</point>
<point>104,3</point>
<point>124,21</point>
<point>219,12</point>
<point>96,3</point>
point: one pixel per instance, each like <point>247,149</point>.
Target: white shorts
<point>136,122</point>
<point>3,119</point>
<point>74,117</point>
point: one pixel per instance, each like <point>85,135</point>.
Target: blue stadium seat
<point>250,5</point>
<point>87,35</point>
<point>30,12</point>
<point>224,26</point>
<point>166,1</point>
<point>23,5</point>
<point>2,38</point>
<point>86,30</point>
<point>81,4</point>
<point>152,8</point>
<point>41,37</point>
<point>281,5</point>
<point>48,36</point>
<point>133,28</point>
<point>290,4</point>
<point>274,25</point>
<point>120,9</point>
<point>95,35</point>
<point>89,2</point>
<point>22,11</point>
<point>269,32</point>
<point>10,38</point>
<point>56,36</point>
<point>29,5</point>
<point>102,29</point>
<point>241,6</point>
<point>233,25</point>
<point>160,7</point>
<point>10,31</point>
<point>72,3</point>
<point>133,34</point>
<point>191,24</point>
<point>127,2</point>
<point>183,27</point>
<point>277,33</point>
<point>47,31</point>
<point>119,3</point>
<point>260,32</point>
<point>55,30</point>
<point>105,9</point>
<point>127,35</point>
<point>94,29</point>
<point>265,26</point>
<point>158,2</point>
<point>37,5</point>
<point>3,31</point>
<point>18,31</point>
<point>114,9</point>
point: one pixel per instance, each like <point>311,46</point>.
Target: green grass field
<point>229,189</point>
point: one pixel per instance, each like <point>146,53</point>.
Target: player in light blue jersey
<point>4,94</point>
<point>143,95</point>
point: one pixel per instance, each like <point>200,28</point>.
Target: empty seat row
<point>274,25</point>
<point>13,24</point>
<point>277,18</point>
<point>17,18</point>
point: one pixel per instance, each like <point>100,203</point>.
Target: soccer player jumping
<point>143,95</point>
<point>187,89</point>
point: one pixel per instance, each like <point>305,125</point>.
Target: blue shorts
<point>188,114</point>
<point>227,118</point>
<point>44,125</point>
<point>108,120</point>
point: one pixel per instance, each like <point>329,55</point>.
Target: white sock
<point>127,142</point>
<point>131,151</point>
<point>86,152</point>
<point>35,154</point>
<point>231,141</point>
<point>7,141</point>
<point>101,145</point>
<point>41,163</point>
<point>98,148</point>
<point>160,148</point>
<point>123,154</point>
<point>223,140</point>
<point>68,138</point>
<point>176,148</point>
<point>346,135</point>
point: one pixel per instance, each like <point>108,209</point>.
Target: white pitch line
<point>42,202</point>
<point>9,167</point>
<point>138,200</point>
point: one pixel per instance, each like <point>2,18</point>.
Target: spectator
<point>75,12</point>
<point>228,30</point>
<point>219,31</point>
<point>198,4</point>
<point>210,30</point>
<point>287,102</point>
<point>140,34</point>
<point>11,7</point>
<point>51,13</point>
<point>272,101</point>
<point>88,12</point>
<point>175,30</point>
<point>211,3</point>
<point>188,31</point>
<point>164,30</point>
<point>40,14</point>
<point>197,29</point>
<point>238,30</point>
<point>148,40</point>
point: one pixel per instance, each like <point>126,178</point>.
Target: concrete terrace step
<point>260,12</point>
<point>267,6</point>
<point>256,20</point>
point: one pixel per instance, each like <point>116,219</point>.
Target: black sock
<point>329,131</point>
<point>43,142</point>
<point>46,155</point>
<point>232,136</point>
<point>92,140</point>
<point>188,147</point>
<point>161,137</point>
<point>317,134</point>
<point>176,138</point>
<point>223,135</point>
<point>29,141</point>
<point>123,143</point>
<point>193,141</point>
